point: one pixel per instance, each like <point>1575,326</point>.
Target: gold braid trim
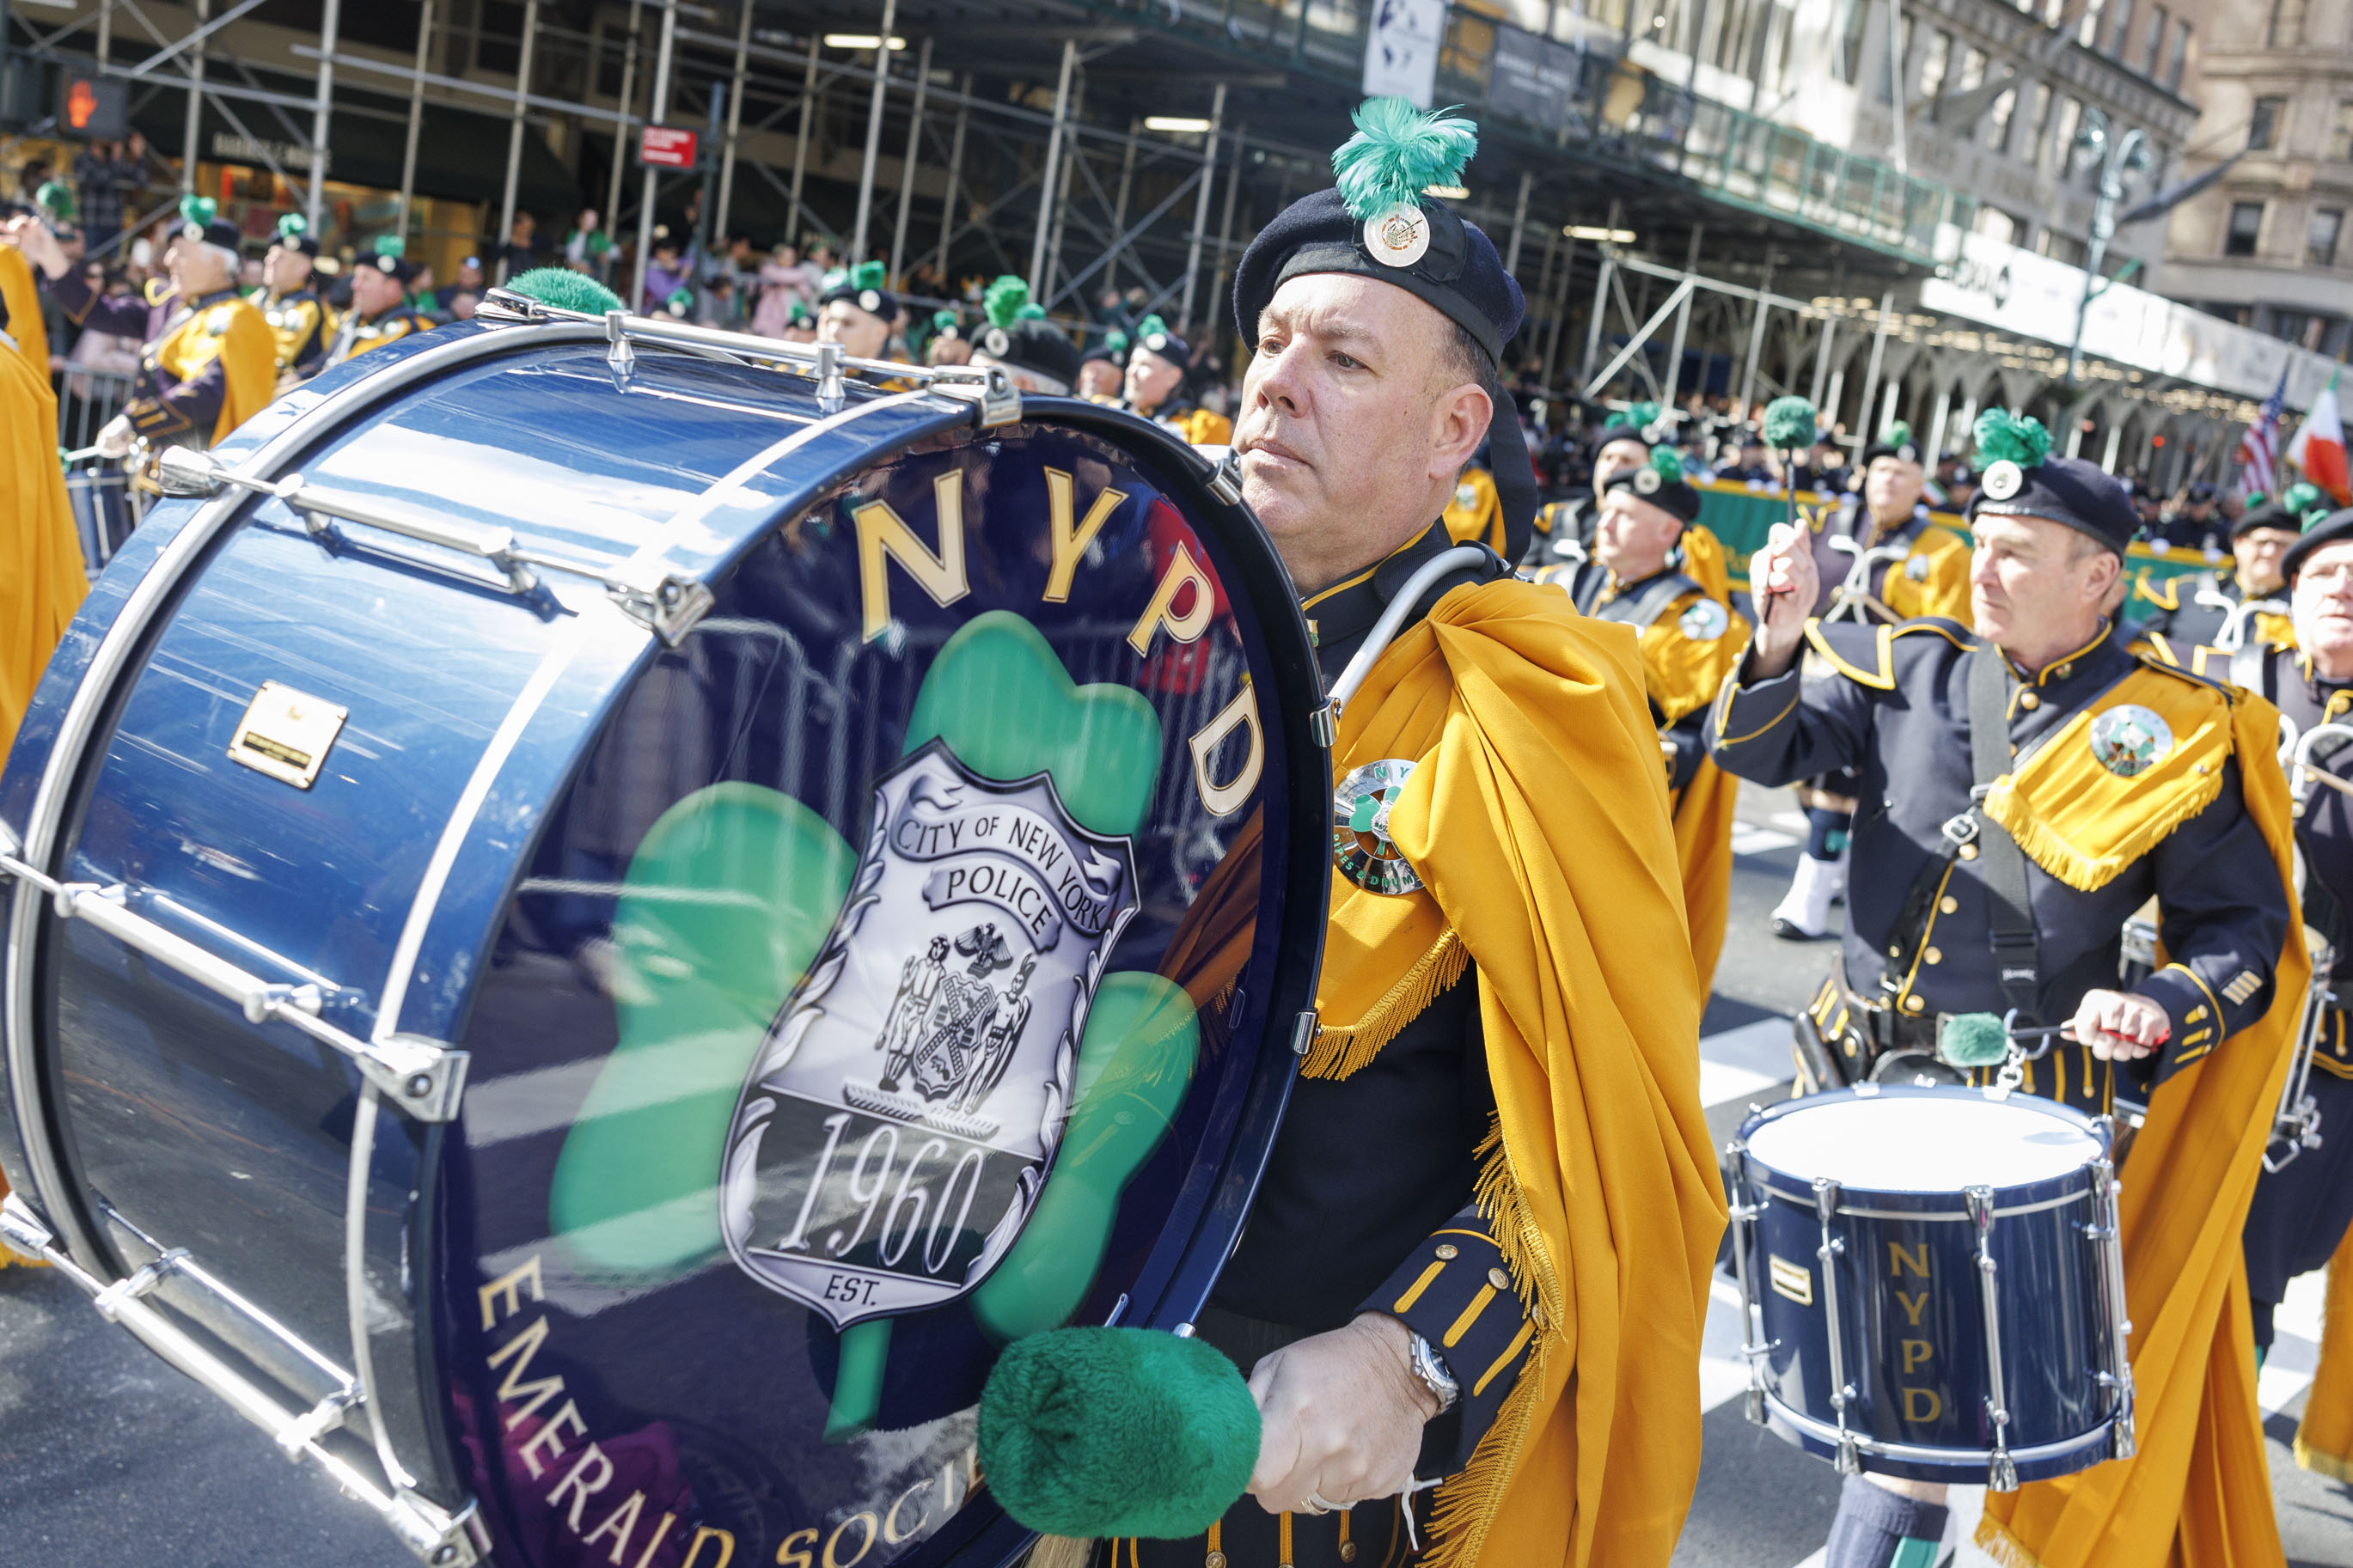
<point>1467,1504</point>
<point>2335,1467</point>
<point>2004,1548</point>
<point>1341,1051</point>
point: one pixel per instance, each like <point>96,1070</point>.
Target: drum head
<point>1925,1142</point>
<point>907,969</point>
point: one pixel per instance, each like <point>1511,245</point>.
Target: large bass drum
<point>603,912</point>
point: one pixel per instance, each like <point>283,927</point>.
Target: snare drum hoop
<point>2025,1197</point>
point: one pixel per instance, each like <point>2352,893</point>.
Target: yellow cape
<point>42,581</point>
<point>1475,513</point>
<point>1536,816</point>
<point>241,336</point>
<point>2323,1441</point>
<point>1682,674</point>
<point>23,298</point>
<point>2197,1495</point>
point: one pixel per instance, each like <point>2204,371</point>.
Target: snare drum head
<point>1924,1142</point>
<point>886,985</point>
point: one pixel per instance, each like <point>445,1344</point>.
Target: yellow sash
<point>237,335</point>
<point>23,298</point>
<point>2083,822</point>
<point>2323,1441</point>
<point>1475,515</point>
<point>1536,816</point>
<point>2198,1494</point>
<point>42,580</point>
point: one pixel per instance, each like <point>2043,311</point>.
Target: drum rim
<point>1813,1430</point>
<point>1878,1203</point>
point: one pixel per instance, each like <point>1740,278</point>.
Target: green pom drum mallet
<point>1117,1432</point>
<point>1788,428</point>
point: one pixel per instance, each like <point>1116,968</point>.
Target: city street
<point>109,1460</point>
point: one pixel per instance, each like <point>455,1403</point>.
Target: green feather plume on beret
<point>2255,498</point>
<point>57,198</point>
<point>1999,433</point>
<point>867,274</point>
<point>1146,327</point>
<point>1789,424</point>
<point>198,210</point>
<point>565,291</point>
<point>1668,464</point>
<point>1898,434</point>
<point>1398,153</point>
<point>2302,499</point>
<point>1115,342</point>
<point>1112,1432</point>
<point>943,320</point>
<point>391,245</point>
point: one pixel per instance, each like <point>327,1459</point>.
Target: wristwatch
<point>1431,1371</point>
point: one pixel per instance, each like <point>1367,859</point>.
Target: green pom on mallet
<point>1117,1432</point>
<point>1973,1040</point>
<point>1789,424</point>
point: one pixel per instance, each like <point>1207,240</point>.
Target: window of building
<point>2246,227</point>
<point>1935,60</point>
<point>2179,61</point>
<point>1996,224</point>
<point>1998,118</point>
<point>2340,131</point>
<point>2087,31</point>
<point>2038,120</point>
<point>2058,248</point>
<point>2286,24</point>
<point>2153,41</point>
<point>2123,14</point>
<point>2059,151</point>
<point>2320,236</point>
<point>2263,124</point>
<point>1848,57</point>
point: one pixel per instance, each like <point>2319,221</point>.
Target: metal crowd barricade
<point>98,489</point>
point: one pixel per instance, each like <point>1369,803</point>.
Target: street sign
<point>666,147</point>
<point>91,105</point>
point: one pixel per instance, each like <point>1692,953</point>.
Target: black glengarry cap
<point>2020,478</point>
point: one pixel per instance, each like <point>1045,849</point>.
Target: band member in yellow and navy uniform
<point>1480,1251</point>
<point>1159,383</point>
<point>297,316</point>
<point>855,311</point>
<point>1882,561</point>
<point>380,311</point>
<point>2025,790</point>
<point>1691,641</point>
<point>1038,354</point>
<point>2182,615</point>
<point>1564,529</point>
<point>2302,1210</point>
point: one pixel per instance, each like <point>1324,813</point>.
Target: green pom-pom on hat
<point>1898,434</point>
<point>1789,424</point>
<point>867,274</point>
<point>57,198</point>
<point>198,210</point>
<point>798,312</point>
<point>564,289</point>
<point>1115,342</point>
<point>1640,417</point>
<point>293,225</point>
<point>1668,464</point>
<point>1973,1040</point>
<point>1114,1431</point>
<point>944,321</point>
<point>2302,499</point>
<point>1152,327</point>
<point>1006,301</point>
<point>390,245</point>
<point>2003,436</point>
<point>1398,153</point>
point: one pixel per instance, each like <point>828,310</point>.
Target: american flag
<point>2259,447</point>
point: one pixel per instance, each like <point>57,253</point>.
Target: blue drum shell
<point>1912,1315</point>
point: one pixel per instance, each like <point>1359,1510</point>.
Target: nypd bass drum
<point>603,913</point>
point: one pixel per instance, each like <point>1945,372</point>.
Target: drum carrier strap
<point>1646,604</point>
<point>2002,865</point>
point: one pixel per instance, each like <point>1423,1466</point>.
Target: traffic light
<point>90,105</point>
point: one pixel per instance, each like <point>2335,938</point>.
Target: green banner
<point>1741,517</point>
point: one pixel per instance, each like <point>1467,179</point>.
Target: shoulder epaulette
<point>1950,630</point>
<point>1882,679</point>
<point>2146,588</point>
<point>2221,688</point>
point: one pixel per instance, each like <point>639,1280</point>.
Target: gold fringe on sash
<point>1344,1049</point>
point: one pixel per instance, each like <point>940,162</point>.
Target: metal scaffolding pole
<point>873,133</point>
<point>105,33</point>
<point>1201,206</point>
<point>1519,222</point>
<point>1119,206</point>
<point>1053,171</point>
<point>328,23</point>
<point>800,142</point>
<point>658,112</point>
<point>1755,340</point>
<point>1682,319</point>
<point>416,118</point>
<point>621,130</point>
<point>1226,226</point>
<point>907,164</point>
<point>734,121</point>
<point>514,134</point>
<point>1560,313</point>
<point>1870,373</point>
<point>1822,366</point>
<point>195,104</point>
<point>955,170</point>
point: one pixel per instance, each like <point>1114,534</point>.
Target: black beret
<point>1153,337</point>
<point>1458,272</point>
<point>219,232</point>
<point>1905,452</point>
<point>2069,490</point>
<point>2333,528</point>
<point>390,266</point>
<point>862,286</point>
<point>1034,344</point>
<point>2271,514</point>
<point>1646,483</point>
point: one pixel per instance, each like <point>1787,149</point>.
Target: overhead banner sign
<point>1401,49</point>
<point>1534,78</point>
<point>2035,297</point>
<point>666,147</point>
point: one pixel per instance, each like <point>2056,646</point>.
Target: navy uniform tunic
<point>1893,704</point>
<point>301,325</point>
<point>2300,1213</point>
<point>1366,1206</point>
<point>162,404</point>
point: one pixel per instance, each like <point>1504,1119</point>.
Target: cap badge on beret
<point>2003,480</point>
<point>1647,481</point>
<point>2128,739</point>
<point>1908,452</point>
<point>385,263</point>
<point>870,302</point>
<point>996,342</point>
<point>1156,341</point>
<point>1398,238</point>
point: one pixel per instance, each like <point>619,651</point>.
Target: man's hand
<point>1784,584</point>
<point>1341,1416</point>
<point>2119,1025</point>
<point>116,436</point>
<point>31,236</point>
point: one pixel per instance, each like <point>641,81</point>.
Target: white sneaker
<point>1804,912</point>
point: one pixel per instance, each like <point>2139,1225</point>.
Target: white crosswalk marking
<point>1750,840</point>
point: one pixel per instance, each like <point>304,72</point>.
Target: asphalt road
<point>109,1460</point>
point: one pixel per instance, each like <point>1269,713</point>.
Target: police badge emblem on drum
<point>899,1121</point>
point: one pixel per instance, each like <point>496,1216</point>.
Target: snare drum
<point>1935,1283</point>
<point>100,497</point>
<point>605,919</point>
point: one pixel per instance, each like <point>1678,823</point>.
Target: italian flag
<point>2319,448</point>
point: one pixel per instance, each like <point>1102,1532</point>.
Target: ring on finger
<point>1317,1504</point>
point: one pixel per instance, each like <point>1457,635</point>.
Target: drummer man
<point>298,318</point>
<point>1564,529</point>
<point>1386,1320</point>
<point>1159,371</point>
<point>380,313</point>
<point>1036,355</point>
<point>2204,610</point>
<point>856,311</point>
<point>2102,780</point>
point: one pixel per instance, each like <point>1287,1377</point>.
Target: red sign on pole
<point>666,147</point>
